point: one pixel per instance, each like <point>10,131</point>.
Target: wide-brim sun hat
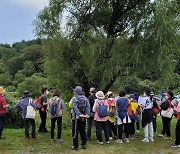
<point>2,91</point>
<point>109,93</point>
<point>100,95</point>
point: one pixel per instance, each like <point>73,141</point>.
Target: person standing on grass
<point>101,119</point>
<point>111,115</point>
<point>56,105</point>
<point>81,111</point>
<point>22,105</point>
<point>92,99</point>
<point>123,119</point>
<point>147,116</point>
<point>177,131</point>
<point>43,111</point>
<point>3,108</point>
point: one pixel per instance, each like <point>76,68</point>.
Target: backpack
<point>38,102</point>
<point>165,105</point>
<point>122,113</point>
<point>102,110</point>
<point>112,109</point>
<point>81,105</point>
<point>55,107</point>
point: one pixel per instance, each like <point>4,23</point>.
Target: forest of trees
<point>108,44</point>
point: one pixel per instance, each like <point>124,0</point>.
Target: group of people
<point>113,115</point>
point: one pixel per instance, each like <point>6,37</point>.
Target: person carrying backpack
<point>123,119</point>
<point>22,105</point>
<point>56,105</point>
<point>92,99</point>
<point>111,115</point>
<point>81,111</point>
<point>101,116</point>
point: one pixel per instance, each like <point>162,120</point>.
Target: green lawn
<point>15,142</point>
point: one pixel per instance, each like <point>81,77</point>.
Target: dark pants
<point>80,127</point>
<point>132,127</point>
<point>120,130</point>
<point>137,125</point>
<point>112,129</point>
<point>27,126</point>
<point>59,126</point>
<point>166,126</point>
<point>2,122</point>
<point>43,116</point>
<point>90,121</point>
<point>99,127</point>
<point>154,123</point>
<point>177,141</point>
<point>73,128</point>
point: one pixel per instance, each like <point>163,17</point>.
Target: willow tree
<point>93,42</point>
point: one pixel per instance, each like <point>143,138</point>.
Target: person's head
<point>151,94</point>
<point>56,93</point>
<point>78,90</point>
<point>132,98</point>
<point>26,94</point>
<point>122,93</point>
<point>92,91</point>
<point>44,91</point>
<point>2,91</point>
<point>147,92</point>
<point>110,94</point>
<point>170,94</point>
<point>100,95</point>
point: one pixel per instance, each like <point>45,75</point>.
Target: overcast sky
<point>16,17</point>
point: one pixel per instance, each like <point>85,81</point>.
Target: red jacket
<point>2,102</point>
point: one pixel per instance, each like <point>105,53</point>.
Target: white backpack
<point>30,114</point>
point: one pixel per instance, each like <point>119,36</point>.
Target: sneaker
<point>161,135</point>
<point>2,138</point>
<point>59,140</point>
<point>88,139</point>
<point>83,146</point>
<point>119,141</point>
<point>145,140</point>
<point>110,138</point>
<point>151,140</point>
<point>107,142</point>
<point>137,131</point>
<point>101,143</point>
<point>175,145</point>
<point>127,140</point>
<point>168,138</point>
<point>73,148</point>
<point>52,140</point>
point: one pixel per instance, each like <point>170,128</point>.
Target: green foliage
<point>5,79</point>
<point>33,84</point>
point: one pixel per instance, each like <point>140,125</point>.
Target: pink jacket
<point>95,109</point>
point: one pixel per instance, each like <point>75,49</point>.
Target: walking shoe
<point>83,146</point>
<point>119,141</point>
<point>73,148</point>
<point>161,135</point>
<point>52,140</point>
<point>107,142</point>
<point>145,140</point>
<point>59,140</point>
<point>175,146</point>
<point>137,131</point>
<point>110,138</point>
<point>127,140</point>
<point>88,139</point>
<point>101,143</point>
<point>151,140</point>
<point>2,138</point>
<point>168,138</point>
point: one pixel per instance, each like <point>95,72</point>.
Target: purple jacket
<point>22,105</point>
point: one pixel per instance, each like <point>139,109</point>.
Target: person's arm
<point>62,104</point>
<point>94,106</point>
<point>44,100</point>
<point>75,108</point>
<point>5,105</point>
<point>87,108</point>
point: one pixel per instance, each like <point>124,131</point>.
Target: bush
<point>33,84</point>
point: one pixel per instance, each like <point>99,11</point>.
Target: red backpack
<point>38,103</point>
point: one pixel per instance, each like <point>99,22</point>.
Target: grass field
<point>15,142</point>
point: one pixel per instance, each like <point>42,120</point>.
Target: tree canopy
<point>93,42</point>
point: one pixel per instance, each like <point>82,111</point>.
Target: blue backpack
<point>54,107</point>
<point>102,110</point>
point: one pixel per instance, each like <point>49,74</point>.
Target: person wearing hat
<point>147,116</point>
<point>3,108</point>
<point>81,111</point>
<point>92,99</point>
<point>133,114</point>
<point>22,105</point>
<point>111,115</point>
<point>101,121</point>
